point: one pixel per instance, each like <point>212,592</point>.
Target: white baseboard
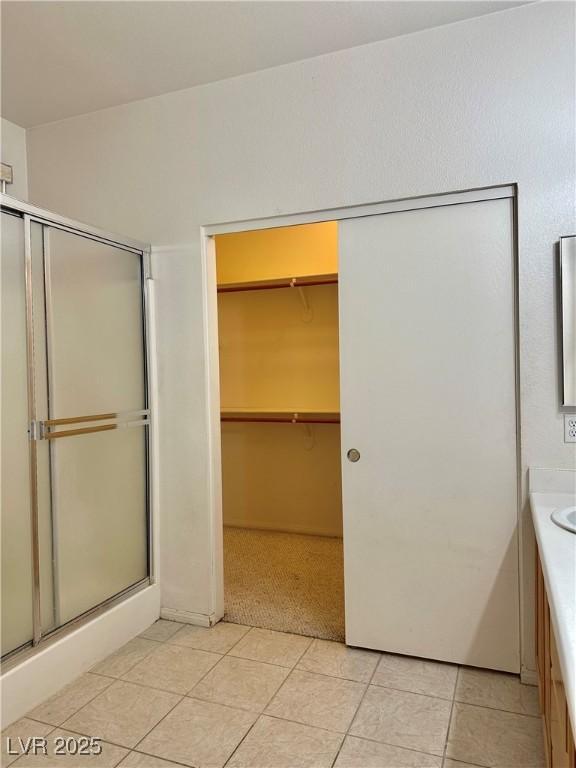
<point>528,676</point>
<point>263,525</point>
<point>44,673</point>
<point>188,617</point>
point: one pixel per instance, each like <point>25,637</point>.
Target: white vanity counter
<point>557,550</point>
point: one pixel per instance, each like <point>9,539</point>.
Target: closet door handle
<point>353,455</point>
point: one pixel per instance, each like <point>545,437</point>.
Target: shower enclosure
<point>75,423</point>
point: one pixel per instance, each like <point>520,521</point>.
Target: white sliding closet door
<point>428,399</point>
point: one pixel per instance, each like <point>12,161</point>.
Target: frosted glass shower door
<point>97,421</point>
<point>17,571</point>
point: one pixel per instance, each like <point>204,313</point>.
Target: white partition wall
<point>428,399</point>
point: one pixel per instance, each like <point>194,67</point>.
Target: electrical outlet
<point>570,428</point>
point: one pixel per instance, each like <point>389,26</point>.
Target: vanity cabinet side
<point>558,736</point>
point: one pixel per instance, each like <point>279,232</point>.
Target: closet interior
<point>280,428</point>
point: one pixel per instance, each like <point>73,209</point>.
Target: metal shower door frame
<point>31,214</point>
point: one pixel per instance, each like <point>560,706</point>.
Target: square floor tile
<point>497,690</point>
<point>123,714</point>
<point>15,737</point>
<point>448,763</point>
<point>161,630</point>
<point>241,683</point>
<point>403,719</point>
<point>405,673</point>
<point>279,744</point>
<point>337,660</point>
<point>326,702</point>
<point>70,699</point>
<point>272,647</point>
<point>172,668</point>
<point>360,753</point>
<point>499,739</point>
<point>125,658</point>
<point>199,733</point>
<point>67,742</point>
<point>140,760</point>
<point>219,639</point>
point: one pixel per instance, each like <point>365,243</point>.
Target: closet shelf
<point>281,417</point>
<point>284,282</point>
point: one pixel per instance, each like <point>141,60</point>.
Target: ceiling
<point>61,59</point>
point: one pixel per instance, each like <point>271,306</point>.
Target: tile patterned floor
<point>244,697</point>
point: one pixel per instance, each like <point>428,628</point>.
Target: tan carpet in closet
<point>284,581</point>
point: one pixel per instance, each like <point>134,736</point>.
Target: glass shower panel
<point>17,578</point>
<point>96,374</point>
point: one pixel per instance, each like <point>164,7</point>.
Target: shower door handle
<point>46,430</point>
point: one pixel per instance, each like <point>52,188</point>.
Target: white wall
<point>13,152</point>
<point>482,102</point>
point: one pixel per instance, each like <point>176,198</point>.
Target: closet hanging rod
<point>282,418</point>
<point>291,282</point>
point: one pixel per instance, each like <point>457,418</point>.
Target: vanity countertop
<point>557,548</point>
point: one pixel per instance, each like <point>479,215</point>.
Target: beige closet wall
<point>283,477</point>
<point>269,254</point>
<point>279,352</point>
<point>276,356</point>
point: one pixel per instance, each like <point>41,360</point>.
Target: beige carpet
<point>284,581</point>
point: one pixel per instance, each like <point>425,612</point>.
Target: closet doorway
<point>280,429</point>
<point>428,360</point>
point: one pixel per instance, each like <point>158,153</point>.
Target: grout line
<point>357,708</point>
<point>398,746</point>
<point>237,747</point>
<point>496,709</point>
<point>40,722</point>
<point>177,703</point>
<point>293,722</point>
<point>258,661</point>
<point>101,741</point>
<point>142,685</point>
<point>34,720</point>
<point>78,732</point>
<point>75,712</point>
<point>192,695</point>
<point>305,651</point>
<point>414,693</point>
<point>104,674</point>
<point>170,640</point>
<point>261,714</point>
<point>157,724</point>
<point>63,725</point>
<point>304,725</point>
<point>291,667</point>
<point>195,697</point>
<point>450,717</point>
<point>114,743</point>
<point>149,754</point>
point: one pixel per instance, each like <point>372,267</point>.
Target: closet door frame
<point>209,231</point>
<point>30,214</point>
